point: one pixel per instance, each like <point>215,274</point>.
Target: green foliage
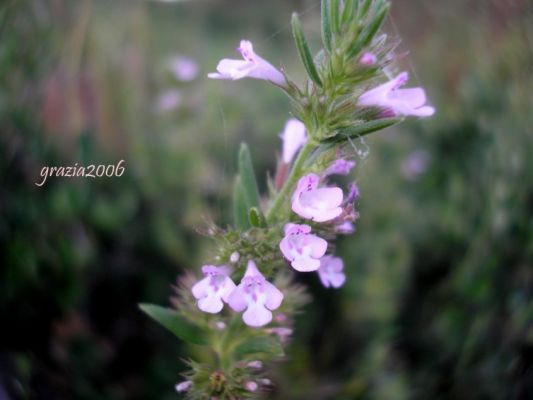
<point>303,50</point>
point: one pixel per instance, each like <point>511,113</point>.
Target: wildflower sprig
<point>240,311</point>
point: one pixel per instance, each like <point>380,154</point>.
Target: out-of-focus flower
<point>318,204</point>
<point>302,248</point>
<point>415,164</point>
<point>255,364</point>
<point>368,59</point>
<point>345,228</point>
<point>395,101</point>
<point>353,193</point>
<point>168,100</point>
<point>331,271</point>
<point>282,333</point>
<point>251,386</point>
<point>183,68</point>
<point>253,66</point>
<point>183,386</point>
<point>340,167</point>
<point>215,287</point>
<point>220,325</point>
<point>234,257</point>
<point>293,137</point>
<point>257,296</point>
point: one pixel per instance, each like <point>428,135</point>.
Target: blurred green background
<point>438,302</point>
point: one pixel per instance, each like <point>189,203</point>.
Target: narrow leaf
<point>325,25</point>
<point>364,9</point>
<point>256,218</point>
<point>240,210</point>
<point>175,323</point>
<point>334,16</point>
<point>350,9</point>
<point>248,182</point>
<point>303,50</point>
<point>264,345</point>
<point>369,31</point>
<point>363,129</point>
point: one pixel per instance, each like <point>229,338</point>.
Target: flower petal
<point>257,315</point>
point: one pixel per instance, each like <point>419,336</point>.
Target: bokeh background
<point>438,302</point>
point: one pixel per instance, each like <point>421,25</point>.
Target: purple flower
<point>168,101</point>
<point>185,69</point>
<point>302,248</point>
<point>293,137</point>
<point>345,228</point>
<point>252,66</point>
<point>318,204</point>
<point>183,386</point>
<point>397,101</point>
<point>330,271</point>
<point>339,167</point>
<point>415,164</point>
<point>215,287</point>
<point>368,59</point>
<point>257,296</point>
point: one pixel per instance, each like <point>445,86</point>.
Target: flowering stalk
<point>241,310</point>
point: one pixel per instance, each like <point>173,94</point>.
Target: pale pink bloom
<point>213,289</point>
<point>234,257</point>
<point>331,271</point>
<point>396,101</point>
<point>184,69</point>
<point>302,248</point>
<point>183,386</point>
<point>255,364</point>
<point>255,295</point>
<point>340,167</point>
<point>368,59</point>
<point>415,164</point>
<point>345,228</point>
<point>251,386</point>
<point>253,66</point>
<point>318,204</point>
<point>282,332</point>
<point>168,101</point>
<point>293,137</point>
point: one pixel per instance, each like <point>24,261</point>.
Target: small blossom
<point>251,386</point>
<point>265,382</point>
<point>331,271</point>
<point>353,193</point>
<point>255,364</point>
<point>215,287</point>
<point>395,101</point>
<point>318,204</point>
<point>184,69</point>
<point>345,228</point>
<point>253,66</point>
<point>234,257</point>
<point>415,164</point>
<point>183,386</point>
<point>257,296</point>
<point>302,248</point>
<point>293,137</point>
<point>282,332</point>
<point>340,167</point>
<point>220,325</point>
<point>168,101</point>
<point>368,59</point>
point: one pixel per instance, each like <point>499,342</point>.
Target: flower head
<point>318,204</point>
<point>293,137</point>
<point>397,101</point>
<point>255,295</point>
<point>185,69</point>
<point>368,59</point>
<point>330,271</point>
<point>215,287</point>
<point>253,66</point>
<point>302,248</point>
<point>339,167</point>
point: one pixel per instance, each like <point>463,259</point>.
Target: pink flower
<point>318,204</point>
<point>185,69</point>
<point>339,167</point>
<point>252,66</point>
<point>368,59</point>
<point>345,228</point>
<point>330,271</point>
<point>183,386</point>
<point>397,101</point>
<point>257,296</point>
<point>168,101</point>
<point>215,287</point>
<point>293,137</point>
<point>251,386</point>
<point>302,248</point>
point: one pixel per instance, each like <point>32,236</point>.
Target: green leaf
<point>325,25</point>
<point>264,345</point>
<point>334,15</point>
<point>369,31</point>
<point>256,218</point>
<point>364,9</point>
<point>350,8</point>
<point>303,50</point>
<point>176,324</point>
<point>363,129</point>
<point>240,210</point>
<point>248,182</point>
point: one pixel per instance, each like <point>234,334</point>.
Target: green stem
<point>290,182</point>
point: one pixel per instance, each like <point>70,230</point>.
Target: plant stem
<point>291,180</point>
